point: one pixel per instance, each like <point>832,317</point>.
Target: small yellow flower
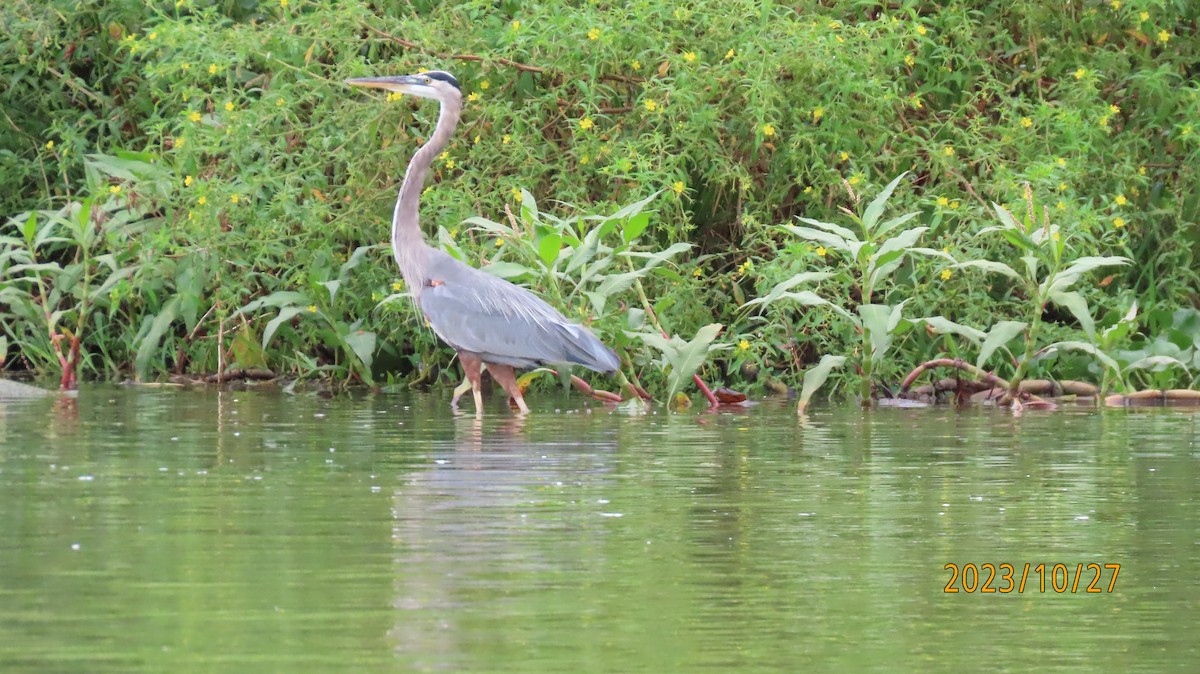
<point>955,204</point>
<point>1134,191</point>
<point>636,65</point>
<point>1114,109</point>
<point>179,142</point>
<point>473,96</point>
<point>49,145</point>
<point>1026,122</point>
<point>909,60</point>
<point>233,198</point>
<point>397,286</point>
<point>915,101</point>
<point>1163,36</point>
<point>186,66</point>
<point>1061,205</point>
<point>744,345</point>
<point>202,200</point>
<point>1060,161</point>
<point>374,297</point>
<point>1116,4</point>
<point>505,139</point>
<point>745,266</point>
<point>484,85</point>
<point>729,54</point>
<point>651,104</point>
<point>1120,200</point>
<point>516,25</point>
<point>283,3</point>
<point>1057,236</point>
<point>444,155</point>
<point>689,56</point>
<point>153,35</point>
<point>1118,222</point>
<point>228,106</point>
<point>946,274</point>
<point>516,193</point>
<point>678,187</point>
<point>585,160</point>
<point>808,189</point>
<point>114,189</point>
<point>499,242</point>
<point>855,179</point>
<point>821,251</point>
<point>212,69</point>
<point>1144,16</point>
<point>817,113</point>
<point>279,102</point>
<point>948,150</point>
<point>475,140</point>
<point>1141,170</point>
<point>845,156</point>
<point>312,308</point>
<point>393,96</point>
<point>921,30</point>
<point>1062,187</point>
<point>586,123</point>
<point>450,164</point>
<point>194,116</point>
<point>1080,73</point>
<point>768,130</point>
<point>594,34</point>
<point>1103,121</point>
<point>943,201</point>
<point>187,181</point>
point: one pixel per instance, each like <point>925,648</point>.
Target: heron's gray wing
<point>505,324</point>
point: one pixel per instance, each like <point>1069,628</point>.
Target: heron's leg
<point>459,391</point>
<point>472,367</point>
<point>508,380</point>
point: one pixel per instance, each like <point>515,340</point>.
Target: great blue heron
<point>487,320</point>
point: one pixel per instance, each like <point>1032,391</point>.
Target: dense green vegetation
<point>189,186</point>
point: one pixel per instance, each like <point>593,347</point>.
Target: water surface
<point>195,531</point>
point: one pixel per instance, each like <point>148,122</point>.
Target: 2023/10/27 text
<point>1002,578</point>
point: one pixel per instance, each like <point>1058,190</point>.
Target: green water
<point>192,531</point>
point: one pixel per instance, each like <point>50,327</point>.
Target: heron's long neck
<point>406,227</point>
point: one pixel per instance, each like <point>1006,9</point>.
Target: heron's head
<point>436,84</point>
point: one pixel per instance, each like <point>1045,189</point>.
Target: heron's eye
<point>428,80</point>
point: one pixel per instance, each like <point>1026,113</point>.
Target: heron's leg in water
<point>460,390</point>
<point>473,368</point>
<point>508,379</point>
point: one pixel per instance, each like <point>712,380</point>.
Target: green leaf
<point>490,226</point>
<point>895,222</point>
<point>891,253</point>
<point>634,227</point>
<point>630,210</point>
<point>875,208</point>
<point>1156,363</point>
<point>683,357</point>
<point>529,208</point>
<point>285,314</point>
<point>655,259</point>
<point>815,376</point>
<point>826,239</point>
<point>1078,307</point>
<point>548,248</point>
<point>1001,333</point>
<point>332,287</point>
<point>781,288</point>
<point>508,270</point>
<point>158,328</point>
<point>880,321</point>
<point>355,259</point>
<point>276,299</point>
<point>830,227</point>
<point>1063,280</point>
<point>943,326</point>
<point>362,343</point>
<point>989,266</point>
<point>1086,348</point>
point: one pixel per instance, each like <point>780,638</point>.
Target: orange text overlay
<point>1041,578</point>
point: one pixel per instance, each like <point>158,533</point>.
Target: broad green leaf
<point>875,208</point>
<point>508,270</point>
<point>276,299</point>
<point>628,211</point>
<point>1031,266</point>
<point>634,227</point>
<point>1001,333</point>
<point>332,287</point>
<point>891,253</point>
<point>362,343</point>
<point>830,227</point>
<point>548,248</point>
<point>889,225</point>
<point>1086,348</point>
<point>942,326</point>
<point>989,266</point>
<point>1063,280</point>
<point>879,321</point>
<point>158,327</point>
<point>449,245</point>
<point>529,208</point>
<point>683,357</point>
<point>1156,363</point>
<point>824,238</point>
<point>782,287</point>
<point>1007,217</point>
<point>355,259</point>
<point>655,259</point>
<point>598,300</point>
<point>1078,307</point>
<point>285,314</point>
<point>491,226</point>
<point>815,376</point>
<point>585,252</point>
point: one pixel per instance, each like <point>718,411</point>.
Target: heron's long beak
<point>400,83</point>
